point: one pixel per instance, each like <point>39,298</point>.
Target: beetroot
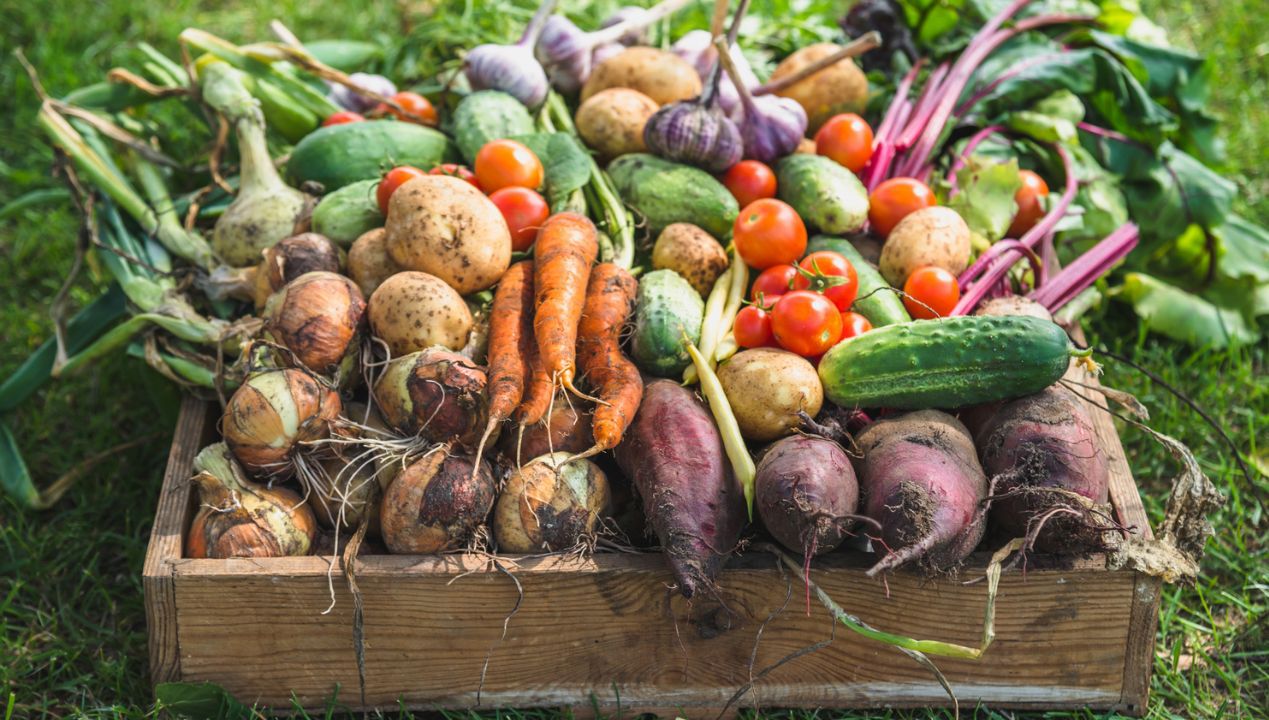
<point>921,481</point>
<point>1041,449</point>
<point>806,493</point>
<point>674,454</point>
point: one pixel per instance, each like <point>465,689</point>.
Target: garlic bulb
<point>773,125</point>
<point>512,68</point>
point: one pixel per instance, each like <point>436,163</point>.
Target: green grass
<point>72,626</point>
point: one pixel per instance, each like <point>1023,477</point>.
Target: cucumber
<point>488,115</point>
<point>946,363</point>
<point>346,214</point>
<point>340,155</point>
<point>827,196</point>
<point>876,301</point>
<point>667,307</point>
<point>665,193</point>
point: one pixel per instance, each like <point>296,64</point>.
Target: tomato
<point>930,292</point>
<point>750,180</point>
<point>772,283</point>
<point>1028,197</point>
<point>806,323</point>
<point>753,328</point>
<point>341,118</point>
<point>395,178</point>
<point>525,211</point>
<point>895,199</point>
<point>854,324</point>
<point>769,232</point>
<point>846,139</point>
<point>410,102</point>
<point>831,274</point>
<point>458,171</point>
<point>507,163</point>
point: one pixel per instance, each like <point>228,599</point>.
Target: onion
<point>291,258</point>
<point>436,503</point>
<point>435,394</point>
<point>349,494</point>
<point>239,518</point>
<point>272,413</point>
<point>550,505</point>
<point>318,317</point>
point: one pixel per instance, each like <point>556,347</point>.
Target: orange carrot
<point>610,298</point>
<point>510,322</point>
<point>563,253</point>
<point>538,389</point>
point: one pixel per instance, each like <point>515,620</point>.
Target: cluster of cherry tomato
<point>507,171</point>
<point>417,109</point>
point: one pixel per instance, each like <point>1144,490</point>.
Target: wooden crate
<point>605,634</point>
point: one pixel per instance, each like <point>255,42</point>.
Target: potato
<point>368,261</point>
<point>611,122</point>
<point>444,226</point>
<point>835,89</point>
<point>930,236</point>
<point>662,76</point>
<point>413,311</point>
<point>692,253</point>
<point>766,388</point>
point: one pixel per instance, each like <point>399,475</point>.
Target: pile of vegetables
<point>590,276</point>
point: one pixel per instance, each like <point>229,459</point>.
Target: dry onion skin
<point>240,518</point>
<point>412,311</point>
<point>272,413</point>
<point>318,317</point>
<point>436,503</point>
<point>435,394</point>
<point>291,258</point>
<point>551,505</point>
<point>349,495</point>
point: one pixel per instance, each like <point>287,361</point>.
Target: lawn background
<point>72,625</point>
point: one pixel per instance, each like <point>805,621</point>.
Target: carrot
<point>538,390</point>
<point>610,298</point>
<point>510,323</point>
<point>563,253</point>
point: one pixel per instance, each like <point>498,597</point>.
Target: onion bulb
<point>240,518</point>
<point>436,394</point>
<point>272,413</point>
<point>436,503</point>
<point>318,317</point>
<point>349,494</point>
<point>291,258</point>
<point>551,505</point>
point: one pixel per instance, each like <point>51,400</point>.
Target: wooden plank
<point>1139,654</point>
<point>612,630</point>
<point>166,540</point>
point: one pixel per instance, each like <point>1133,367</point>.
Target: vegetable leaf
<point>986,195</point>
<point>566,164</point>
<point>15,479</point>
<point>1169,310</point>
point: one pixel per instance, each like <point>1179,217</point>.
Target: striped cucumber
<point>947,363</point>
<point>876,300</point>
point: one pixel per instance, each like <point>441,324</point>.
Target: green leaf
<point>1051,119</point>
<point>15,479</point>
<point>1170,311</point>
<point>198,701</point>
<point>566,164</point>
<point>1245,259</point>
<point>986,195</point>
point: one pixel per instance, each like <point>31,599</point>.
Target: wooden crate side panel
<point>1061,639</point>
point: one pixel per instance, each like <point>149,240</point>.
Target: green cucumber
<point>488,115</point>
<point>876,300</point>
<point>665,193</point>
<point>348,213</point>
<point>666,309</point>
<point>827,195</point>
<point>339,155</point>
<point>947,363</point>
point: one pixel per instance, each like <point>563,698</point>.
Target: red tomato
<point>411,102</point>
<point>831,274</point>
<point>750,180</point>
<point>806,323</point>
<point>395,178</point>
<point>847,139</point>
<point>507,163</point>
<point>1029,208</point>
<point>930,292</point>
<point>341,118</point>
<point>768,232</point>
<point>895,199</point>
<point>753,327</point>
<point>525,211</point>
<point>458,171</point>
<point>772,283</point>
<point>854,324</point>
